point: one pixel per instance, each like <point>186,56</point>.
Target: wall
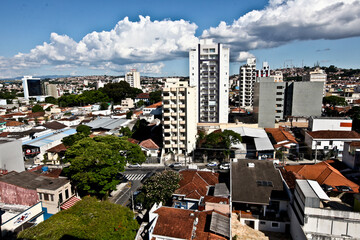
<point>11,156</point>
<point>12,194</point>
<point>264,104</point>
<point>307,98</point>
<point>52,206</point>
<point>318,124</point>
<point>223,208</point>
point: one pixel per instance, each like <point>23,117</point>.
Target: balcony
<point>173,114</point>
<point>182,106</point>
<point>174,122</point>
<point>166,123</point>
<point>167,130</point>
<point>167,145</point>
<point>166,97</point>
<point>182,146</point>
<point>182,130</point>
<point>182,138</point>
<point>173,105</point>
<point>182,97</point>
<point>167,114</point>
<point>167,138</point>
<point>182,122</point>
<point>174,130</point>
<point>173,97</point>
<point>174,145</point>
<point>166,105</point>
<point>174,138</point>
<point>182,114</point>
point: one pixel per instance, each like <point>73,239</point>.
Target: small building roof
<point>194,184</point>
<point>49,138</point>
<point>155,105</point>
<point>55,125</point>
<point>33,181</point>
<point>149,144</point>
<point>220,224</point>
<point>58,148</point>
<point>107,123</point>
<point>327,134</point>
<point>253,181</point>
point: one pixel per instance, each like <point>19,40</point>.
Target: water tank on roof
<point>45,169</point>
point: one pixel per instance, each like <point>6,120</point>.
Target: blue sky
<point>108,37</point>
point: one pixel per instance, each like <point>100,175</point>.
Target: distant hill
<point>42,77</point>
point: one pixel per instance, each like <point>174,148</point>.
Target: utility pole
<point>315,151</point>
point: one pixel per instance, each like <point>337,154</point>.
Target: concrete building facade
<point>179,116</point>
<point>273,101</point>
<point>32,87</point>
<point>247,79</point>
<point>11,157</point>
<point>133,78</point>
<point>209,72</point>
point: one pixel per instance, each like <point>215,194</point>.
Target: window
<point>275,225</point>
<point>279,87</point>
<point>262,222</point>
<point>330,142</point>
<point>318,143</point>
<point>52,197</point>
<point>60,197</point>
<point>212,50</point>
<point>279,99</point>
<point>66,193</point>
<point>46,197</point>
<point>279,93</point>
<point>40,196</point>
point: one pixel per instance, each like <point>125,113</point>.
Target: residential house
<point>175,223</point>
<point>283,139</point>
<point>324,141</point>
<point>55,154</point>
<point>351,155</point>
<point>150,148</point>
<point>28,188</point>
<point>258,196</point>
<point>145,97</point>
<point>194,186</point>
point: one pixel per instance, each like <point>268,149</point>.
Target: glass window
<point>60,197</point>
<point>46,197</point>
<point>275,225</point>
<point>52,197</point>
<point>66,193</point>
<point>40,196</point>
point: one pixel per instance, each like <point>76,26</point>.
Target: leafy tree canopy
<point>119,91</point>
<point>334,101</point>
<point>83,129</point>
<point>155,97</point>
<point>87,97</point>
<point>96,162</point>
<point>51,100</point>
<point>126,132</point>
<point>159,188</point>
<point>104,106</point>
<point>87,219</point>
<point>37,108</point>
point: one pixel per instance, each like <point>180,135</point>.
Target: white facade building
<point>179,116</point>
<point>31,86</point>
<point>318,75</point>
<point>133,78</point>
<point>247,79</point>
<point>329,123</point>
<point>209,72</point>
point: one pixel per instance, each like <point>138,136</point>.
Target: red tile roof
<point>143,95</point>
<point>355,144</point>
<point>13,123</point>
<point>327,134</point>
<point>58,148</point>
<point>134,141</point>
<point>281,134</point>
<point>322,172</point>
<point>155,105</point>
<point>174,222</point>
<point>213,199</point>
<point>36,114</point>
<point>194,184</point>
<point>149,144</point>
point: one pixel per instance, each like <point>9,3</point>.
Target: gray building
<point>273,101</point>
<point>11,157</point>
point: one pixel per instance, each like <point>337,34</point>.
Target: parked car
<point>224,166</point>
<point>212,164</point>
<point>175,165</point>
<point>136,165</point>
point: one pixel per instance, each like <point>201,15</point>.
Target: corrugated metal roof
<point>263,144</point>
<point>220,224</point>
<point>107,123</point>
<point>49,138</point>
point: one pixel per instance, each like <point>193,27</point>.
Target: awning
<point>69,203</point>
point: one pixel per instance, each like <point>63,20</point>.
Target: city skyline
<point>88,38</point>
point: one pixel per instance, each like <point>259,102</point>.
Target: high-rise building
<point>318,75</point>
<point>52,90</point>
<point>32,87</point>
<point>247,79</point>
<point>133,78</point>
<point>179,116</point>
<point>209,72</point>
<point>273,101</point>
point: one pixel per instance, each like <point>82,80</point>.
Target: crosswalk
<point>134,176</point>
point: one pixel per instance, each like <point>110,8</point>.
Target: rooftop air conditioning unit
<point>251,165</point>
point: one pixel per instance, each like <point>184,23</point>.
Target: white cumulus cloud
<point>284,21</point>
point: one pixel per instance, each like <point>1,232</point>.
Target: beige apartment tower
<point>133,78</point>
<point>179,116</point>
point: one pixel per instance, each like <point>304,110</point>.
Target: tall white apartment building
<point>32,87</point>
<point>179,116</point>
<point>209,72</point>
<point>133,78</point>
<point>247,79</point>
<point>318,75</point>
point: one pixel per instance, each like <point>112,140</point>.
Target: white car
<point>212,164</point>
<point>136,165</point>
<point>224,166</point>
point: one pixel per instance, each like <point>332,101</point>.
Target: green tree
<point>354,113</point>
<point>87,219</point>
<point>37,108</point>
<point>96,162</point>
<point>140,103</point>
<point>155,97</point>
<point>159,188</point>
<point>104,106</point>
<point>334,101</point>
<point>119,91</point>
<point>83,129</point>
<point>126,132</point>
<point>51,100</point>
<point>129,114</point>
